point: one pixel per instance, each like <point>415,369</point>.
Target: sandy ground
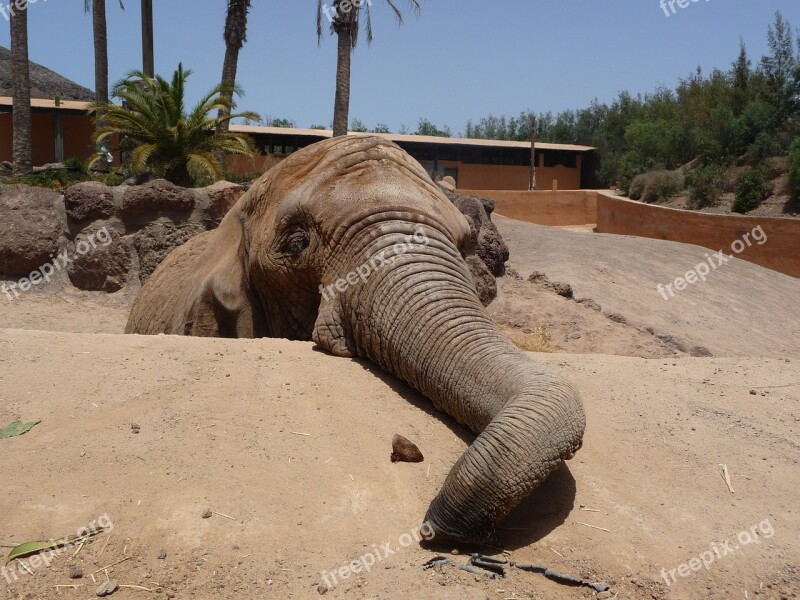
<point>289,446</point>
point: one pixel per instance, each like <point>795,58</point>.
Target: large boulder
<point>488,246</point>
<point>102,261</point>
<point>89,200</point>
<point>485,283</point>
<point>158,239</point>
<point>156,197</point>
<point>31,228</point>
<point>222,195</point>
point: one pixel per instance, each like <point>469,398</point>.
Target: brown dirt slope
<point>289,446</point>
<point>741,309</point>
<point>294,444</point>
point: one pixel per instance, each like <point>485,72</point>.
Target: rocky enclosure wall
<point>103,238</point>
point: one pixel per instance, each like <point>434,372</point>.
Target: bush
<point>706,185</point>
<point>637,186</point>
<point>663,185</point>
<point>753,188</point>
<point>794,170</point>
<point>765,146</point>
<point>75,164</point>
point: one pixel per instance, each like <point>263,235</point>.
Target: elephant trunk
<point>419,318</point>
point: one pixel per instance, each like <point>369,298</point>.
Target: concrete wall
<point>508,177</point>
<point>245,167</point>
<point>470,176</point>
<point>574,207</point>
<point>780,252</point>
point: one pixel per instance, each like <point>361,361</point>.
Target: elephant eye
<point>295,243</point>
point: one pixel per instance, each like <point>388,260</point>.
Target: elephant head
<point>348,243</point>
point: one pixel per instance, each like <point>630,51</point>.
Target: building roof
<point>405,139</point>
<point>72,105</point>
<point>44,82</point>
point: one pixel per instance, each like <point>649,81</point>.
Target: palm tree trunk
<point>148,60</point>
<point>20,74</point>
<point>341,107</point>
<point>235,36</point>
<point>100,55</point>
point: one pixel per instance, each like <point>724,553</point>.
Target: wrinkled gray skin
<point>321,214</point>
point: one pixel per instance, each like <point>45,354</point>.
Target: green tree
<point>741,68</point>
<point>794,170</point>
<point>425,127</point>
<point>345,17</point>
<point>779,65</point>
<point>159,134</point>
<point>381,128</point>
<point>753,188</point>
<point>281,122</point>
<point>358,125</point>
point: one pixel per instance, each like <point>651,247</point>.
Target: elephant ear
<point>222,303</point>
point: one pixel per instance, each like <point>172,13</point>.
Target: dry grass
<point>538,341</point>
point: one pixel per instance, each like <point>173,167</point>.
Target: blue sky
<point>461,59</point>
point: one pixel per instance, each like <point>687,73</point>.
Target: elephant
<point>349,243</point>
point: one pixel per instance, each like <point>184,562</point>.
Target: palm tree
<point>235,35</point>
<point>158,133</point>
<point>148,59</point>
<point>98,8</point>
<point>21,78</point>
<point>344,16</point>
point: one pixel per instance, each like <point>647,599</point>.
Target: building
<point>474,164</point>
<point>61,126</point>
<point>62,129</point>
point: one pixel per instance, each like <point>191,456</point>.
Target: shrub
<point>765,146</point>
<point>794,170</point>
<point>753,188</point>
<point>663,185</point>
<point>637,186</point>
<point>706,185</point>
<point>75,164</point>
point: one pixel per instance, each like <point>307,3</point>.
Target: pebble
<point>107,588</point>
<point>75,572</point>
<point>322,588</point>
<point>207,513</point>
<point>162,555</point>
<point>135,427</point>
<point>603,595</point>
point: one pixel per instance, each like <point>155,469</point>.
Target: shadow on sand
<point>536,516</point>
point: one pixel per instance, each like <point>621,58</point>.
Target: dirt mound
<point>290,448</point>
<point>741,309</point>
